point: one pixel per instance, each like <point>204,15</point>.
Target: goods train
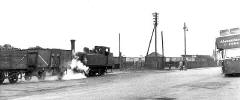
<point>39,62</point>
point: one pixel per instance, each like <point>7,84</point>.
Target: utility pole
<point>120,55</point>
<point>155,15</point>
<point>163,61</point>
<point>185,51</point>
<point>155,18</point>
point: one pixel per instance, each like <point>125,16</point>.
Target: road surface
<point>193,84</point>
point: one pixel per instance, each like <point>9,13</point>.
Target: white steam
<point>77,70</point>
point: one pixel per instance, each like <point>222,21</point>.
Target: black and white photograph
<point>119,50</point>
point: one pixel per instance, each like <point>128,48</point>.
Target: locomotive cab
<point>102,50</point>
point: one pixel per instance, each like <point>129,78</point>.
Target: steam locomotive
<point>15,64</point>
<point>99,59</point>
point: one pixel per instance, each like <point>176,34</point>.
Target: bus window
<point>232,53</point>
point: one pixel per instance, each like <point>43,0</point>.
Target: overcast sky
<point>52,23</point>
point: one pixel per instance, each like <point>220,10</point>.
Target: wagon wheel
<point>2,77</point>
<point>41,75</point>
<point>91,73</point>
<point>28,76</point>
<point>60,75</point>
<point>102,72</point>
<point>13,77</point>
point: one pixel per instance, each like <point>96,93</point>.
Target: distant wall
<point>198,61</point>
<point>150,62</point>
<point>117,63</point>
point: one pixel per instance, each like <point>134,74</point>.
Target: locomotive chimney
<point>73,47</point>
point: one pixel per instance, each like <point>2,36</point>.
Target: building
<point>154,62</point>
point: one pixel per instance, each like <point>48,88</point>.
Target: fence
<point>129,62</point>
<point>149,62</point>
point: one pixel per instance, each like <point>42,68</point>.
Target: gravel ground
<point>197,84</point>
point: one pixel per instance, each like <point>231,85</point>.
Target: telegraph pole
<point>155,17</point>
<point>185,51</point>
<point>120,55</point>
<point>163,62</point>
<point>162,43</point>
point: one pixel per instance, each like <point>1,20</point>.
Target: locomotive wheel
<point>101,72</point>
<point>92,73</point>
<point>13,77</point>
<point>2,77</point>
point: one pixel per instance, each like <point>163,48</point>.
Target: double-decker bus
<point>228,47</point>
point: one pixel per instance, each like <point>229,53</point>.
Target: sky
<point>53,23</point>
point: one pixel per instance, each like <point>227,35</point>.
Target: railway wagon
<point>99,60</point>
<point>15,64</point>
<point>48,61</point>
<point>12,63</point>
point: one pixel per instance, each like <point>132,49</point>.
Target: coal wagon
<point>12,63</point>
<point>47,61</point>
<point>39,62</point>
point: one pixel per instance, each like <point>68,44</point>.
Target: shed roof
<point>153,54</point>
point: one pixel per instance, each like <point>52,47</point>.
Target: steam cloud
<point>77,70</point>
